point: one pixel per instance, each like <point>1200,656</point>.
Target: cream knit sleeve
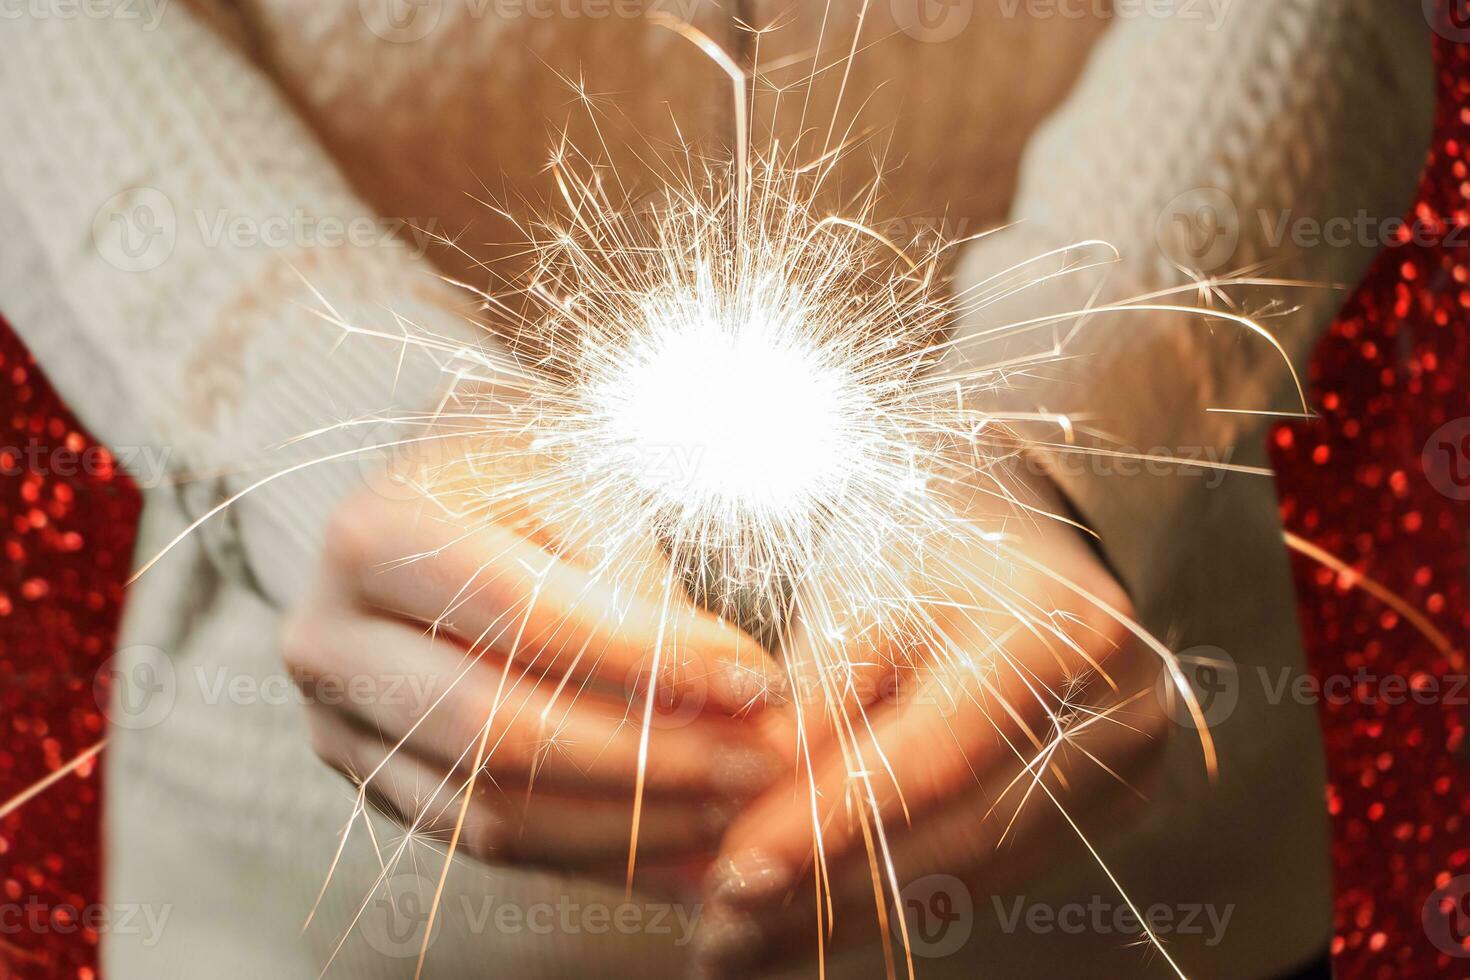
<point>166,226</point>
<point>1196,145</point>
<point>1285,137</point>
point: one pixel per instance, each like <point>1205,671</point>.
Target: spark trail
<point>727,391</point>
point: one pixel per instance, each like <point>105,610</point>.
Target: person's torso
<point>435,108</point>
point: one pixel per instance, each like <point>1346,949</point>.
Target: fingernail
<point>726,939</point>
<point>743,772</point>
<point>749,878</point>
<point>743,688</point>
<point>718,816</point>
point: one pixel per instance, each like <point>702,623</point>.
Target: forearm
<point>1286,116</point>
<point>172,236</point>
<point>1292,113</point>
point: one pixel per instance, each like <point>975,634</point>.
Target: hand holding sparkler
<point>731,394</point>
<point>1020,701</point>
<point>536,668</point>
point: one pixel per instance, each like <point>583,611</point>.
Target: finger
<point>827,685</point>
<point>493,587</point>
<point>967,604</point>
<point>894,764</point>
<point>985,842</point>
<point>1000,640</point>
<point>736,942</point>
<point>518,823</point>
<point>447,705</point>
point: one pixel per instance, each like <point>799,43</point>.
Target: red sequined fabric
<point>67,523</point>
<point>1382,481</point>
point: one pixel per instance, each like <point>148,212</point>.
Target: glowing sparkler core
<point>744,414</point>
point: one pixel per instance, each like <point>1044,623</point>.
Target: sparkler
<point>725,391</point>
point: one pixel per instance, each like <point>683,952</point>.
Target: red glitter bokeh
<point>1359,482</point>
<point>68,517</point>
<point>1374,482</point>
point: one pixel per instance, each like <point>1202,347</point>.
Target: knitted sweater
<point>174,177</point>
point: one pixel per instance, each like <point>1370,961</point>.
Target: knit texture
<point>1199,152</point>
<point>145,159</point>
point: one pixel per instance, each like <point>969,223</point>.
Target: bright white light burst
<point>733,414</point>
